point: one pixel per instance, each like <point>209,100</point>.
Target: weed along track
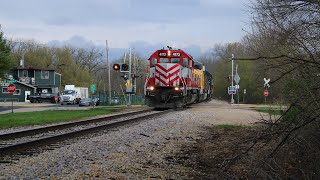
<point>26,143</point>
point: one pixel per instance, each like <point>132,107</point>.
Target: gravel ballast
<point>139,151</point>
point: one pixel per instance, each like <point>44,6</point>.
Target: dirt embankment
<point>243,152</point>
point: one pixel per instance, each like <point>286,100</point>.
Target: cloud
<point>146,49</point>
<point>75,41</point>
<point>178,23</point>
<point>143,48</point>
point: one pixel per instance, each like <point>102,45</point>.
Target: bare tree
<point>90,58</point>
<point>286,35</point>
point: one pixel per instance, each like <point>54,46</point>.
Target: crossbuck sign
<point>266,82</point>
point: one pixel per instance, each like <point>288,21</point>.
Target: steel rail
<point>29,148</point>
<point>31,132</point>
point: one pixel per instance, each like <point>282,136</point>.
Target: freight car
<point>175,79</point>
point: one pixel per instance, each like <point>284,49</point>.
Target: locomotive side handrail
<point>184,85</point>
<point>145,85</point>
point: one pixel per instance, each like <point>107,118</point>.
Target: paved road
<point>26,107</point>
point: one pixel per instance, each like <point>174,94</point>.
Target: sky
<point>144,25</point>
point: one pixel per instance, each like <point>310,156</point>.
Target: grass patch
<point>49,116</point>
<point>231,126</point>
<point>272,111</point>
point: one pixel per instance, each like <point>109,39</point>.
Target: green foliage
<point>46,117</point>
<point>219,64</point>
<point>272,111</point>
<point>72,73</point>
<point>290,116</point>
<point>4,55</point>
<point>64,60</point>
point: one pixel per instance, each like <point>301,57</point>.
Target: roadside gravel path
<point>140,151</point>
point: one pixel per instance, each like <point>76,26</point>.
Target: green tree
<point>5,60</point>
<point>218,63</point>
<point>63,59</point>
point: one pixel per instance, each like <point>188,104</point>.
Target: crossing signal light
<point>228,78</point>
<point>126,76</point>
<point>116,67</point>
<point>124,68</point>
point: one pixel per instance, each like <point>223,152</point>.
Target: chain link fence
<point>120,99</point>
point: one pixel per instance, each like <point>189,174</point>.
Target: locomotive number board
<point>175,54</point>
<point>162,54</point>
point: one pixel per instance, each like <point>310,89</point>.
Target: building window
<point>5,90</point>
<point>17,92</point>
<point>25,73</point>
<point>44,74</point>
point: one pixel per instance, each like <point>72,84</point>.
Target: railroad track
<point>15,145</point>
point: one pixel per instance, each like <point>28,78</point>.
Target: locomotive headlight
<point>169,53</point>
<point>151,88</point>
<point>176,88</point>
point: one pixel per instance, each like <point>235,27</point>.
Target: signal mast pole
<point>109,74</point>
<point>130,78</point>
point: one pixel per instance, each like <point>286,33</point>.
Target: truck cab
<point>73,95</point>
<point>69,97</point>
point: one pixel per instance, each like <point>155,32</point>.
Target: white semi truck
<point>73,95</point>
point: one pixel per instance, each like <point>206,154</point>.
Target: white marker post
<point>232,100</point>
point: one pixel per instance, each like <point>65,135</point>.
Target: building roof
<point>36,68</point>
<point>26,84</point>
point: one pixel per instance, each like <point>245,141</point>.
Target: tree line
<point>79,66</point>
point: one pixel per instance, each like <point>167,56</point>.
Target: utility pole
<point>109,74</point>
<point>232,100</point>
<point>130,78</point>
<point>135,72</point>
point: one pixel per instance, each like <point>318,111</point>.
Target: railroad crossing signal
<point>124,68</point>
<point>266,82</point>
<point>125,76</point>
<point>228,78</point>
<point>121,67</point>
<point>116,67</point>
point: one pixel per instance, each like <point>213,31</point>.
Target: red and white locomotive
<point>174,80</point>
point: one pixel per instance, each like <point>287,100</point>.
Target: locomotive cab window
<point>153,62</point>
<point>164,60</point>
<point>185,62</point>
<point>198,66</point>
<point>175,60</point>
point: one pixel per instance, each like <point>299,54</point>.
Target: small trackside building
<point>21,93</point>
<point>29,81</point>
